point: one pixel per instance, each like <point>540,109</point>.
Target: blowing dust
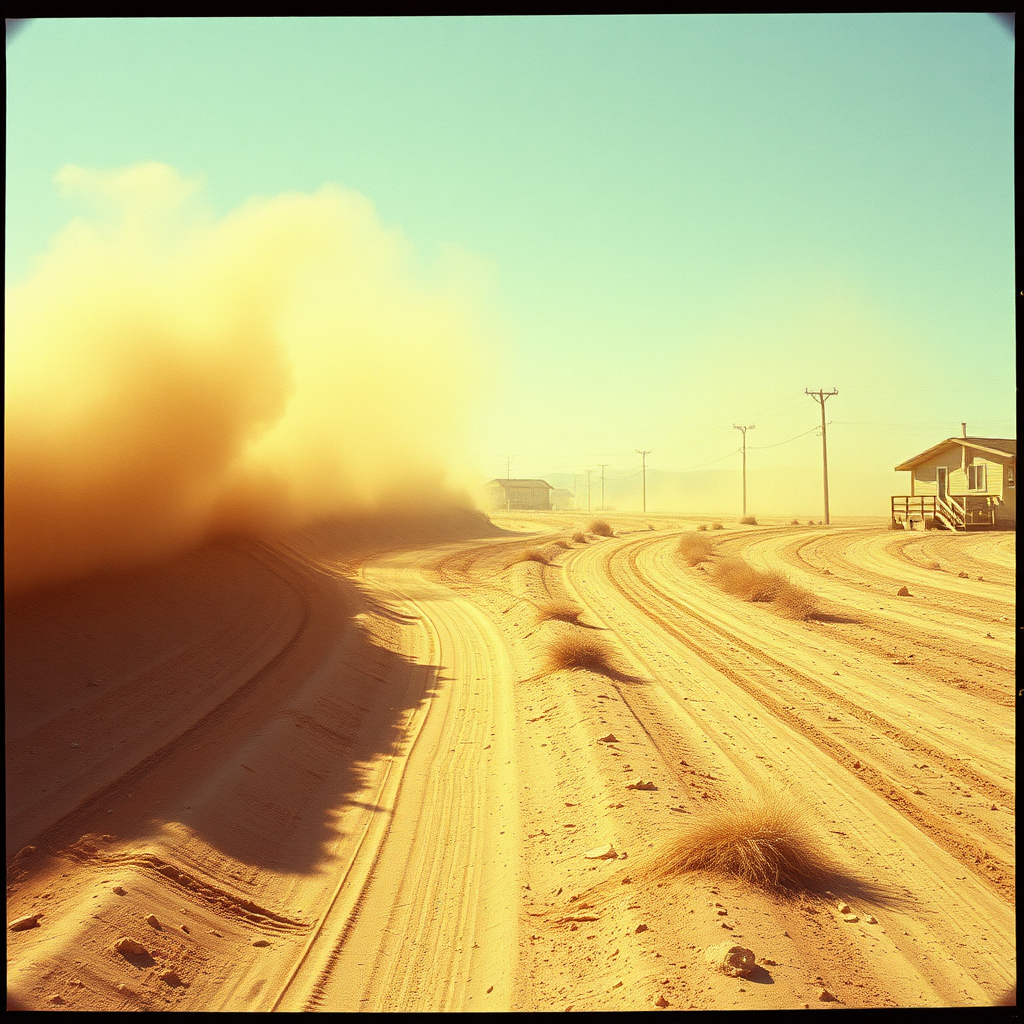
<point>172,377</point>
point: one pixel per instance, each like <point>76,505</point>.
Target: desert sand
<point>341,773</point>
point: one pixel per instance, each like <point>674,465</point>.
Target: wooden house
<point>962,483</point>
<point>514,495</point>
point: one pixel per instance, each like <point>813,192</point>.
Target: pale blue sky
<point>688,219</point>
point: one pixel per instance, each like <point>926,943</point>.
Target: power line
<point>821,397</point>
<point>744,430</point>
<point>643,455</point>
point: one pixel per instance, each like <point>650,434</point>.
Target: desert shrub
<point>794,522</point>
<point>579,537</point>
<point>694,548</point>
<point>578,650</point>
<point>563,611</point>
<point>764,840</point>
<point>810,522</point>
<point>748,521</point>
<point>736,577</point>
<point>717,526</point>
<point>702,527</point>
<point>561,543</point>
<point>601,528</point>
<point>532,555</point>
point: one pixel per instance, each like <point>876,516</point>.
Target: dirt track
<point>344,780</point>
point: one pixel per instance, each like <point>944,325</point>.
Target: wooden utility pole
<point>644,455</point>
<point>744,432</point>
<point>821,397</point>
<point>589,471</point>
<point>602,465</point>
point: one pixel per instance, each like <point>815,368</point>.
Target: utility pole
<point>821,397</point>
<point>508,467</point>
<point>744,430</point>
<point>644,455</point>
<point>602,465</point>
<point>589,471</point>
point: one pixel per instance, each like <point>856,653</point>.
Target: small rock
<point>152,921</point>
<point>641,785</point>
<point>735,961</point>
<point>990,636</point>
<point>56,999</point>
<point>903,592</point>
<point>170,976</point>
<point>610,738</point>
<point>260,942</point>
<point>851,918</point>
<point>824,996</point>
<point>74,744</point>
<point>118,891</point>
<point>661,1000</point>
<point>25,851</point>
<point>963,576</point>
<point>22,924</point>
<point>843,908</point>
<point>856,764</point>
<point>601,853</point>
<point>870,919</point>
<point>129,947</point>
<point>640,928</point>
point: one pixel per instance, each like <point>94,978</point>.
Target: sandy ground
<point>335,774</point>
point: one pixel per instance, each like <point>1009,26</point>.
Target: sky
<point>658,227</point>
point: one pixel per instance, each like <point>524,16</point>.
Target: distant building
<point>562,499</point>
<point>513,495</point>
<point>962,483</point>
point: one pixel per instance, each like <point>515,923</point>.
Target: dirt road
<point>316,777</point>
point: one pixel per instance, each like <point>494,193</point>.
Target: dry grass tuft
<point>576,650</point>
<point>748,521</point>
<point>694,548</point>
<point>579,537</point>
<point>702,527</point>
<point>794,522</point>
<point>563,611</point>
<point>717,526</point>
<point>735,577</point>
<point>532,555</point>
<point>764,840</point>
<point>601,528</point>
<point>561,543</point>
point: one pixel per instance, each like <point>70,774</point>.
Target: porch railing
<point>956,511</point>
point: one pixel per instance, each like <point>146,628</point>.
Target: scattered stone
<point>640,928</point>
<point>735,961</point>
<point>963,576</point>
<point>903,592</point>
<point>56,999</point>
<point>661,1000</point>
<point>22,924</point>
<point>601,853</point>
<point>171,977</point>
<point>918,792</point>
<point>610,738</point>
<point>870,919</point>
<point>627,880</point>
<point>824,996</point>
<point>152,921</point>
<point>119,891</point>
<point>843,908</point>
<point>994,807</point>
<point>74,744</point>
<point>260,942</point>
<point>129,947</point>
<point>641,785</point>
<point>856,764</point>
<point>990,636</point>
<point>851,918</point>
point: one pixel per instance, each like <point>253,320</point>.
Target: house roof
<point>990,445</point>
<point>522,483</point>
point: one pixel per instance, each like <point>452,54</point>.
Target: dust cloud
<point>172,377</point>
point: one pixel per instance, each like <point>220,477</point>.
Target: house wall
<point>925,482</point>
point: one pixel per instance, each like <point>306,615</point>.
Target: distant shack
<point>519,495</point>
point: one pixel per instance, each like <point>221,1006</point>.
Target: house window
<point>1011,476</point>
<point>976,477</point>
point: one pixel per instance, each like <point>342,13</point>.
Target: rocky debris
<point>56,999</point>
<point>963,576</point>
<point>736,961</point>
<point>601,853</point>
<point>152,921</point>
<point>129,947</point>
<point>843,908</point>
<point>22,924</point>
<point>260,942</point>
<point>610,738</point>
<point>851,918</point>
<point>903,592</point>
<point>661,1000</point>
<point>119,891</point>
<point>171,977</point>
<point>640,928</point>
<point>641,785</point>
<point>824,996</point>
<point>870,919</point>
